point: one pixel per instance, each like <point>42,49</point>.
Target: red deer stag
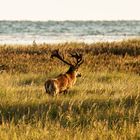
<point>64,81</point>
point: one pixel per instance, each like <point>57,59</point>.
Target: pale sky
<point>69,10</point>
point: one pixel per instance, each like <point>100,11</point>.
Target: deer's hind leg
<point>51,88</point>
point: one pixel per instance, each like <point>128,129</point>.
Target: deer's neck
<point>71,70</point>
<point>72,73</point>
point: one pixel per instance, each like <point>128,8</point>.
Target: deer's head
<point>73,66</point>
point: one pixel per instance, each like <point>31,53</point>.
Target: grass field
<point>104,104</point>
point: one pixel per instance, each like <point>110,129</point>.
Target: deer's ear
<point>52,56</point>
<point>79,75</point>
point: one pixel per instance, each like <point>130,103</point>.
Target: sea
<point>27,32</point>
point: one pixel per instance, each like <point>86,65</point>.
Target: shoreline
<point>55,42</point>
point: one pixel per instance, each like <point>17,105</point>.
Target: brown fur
<point>63,82</point>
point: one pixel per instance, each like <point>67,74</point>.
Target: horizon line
<point>69,20</point>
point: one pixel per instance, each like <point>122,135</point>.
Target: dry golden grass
<point>104,103</point>
<point>120,56</point>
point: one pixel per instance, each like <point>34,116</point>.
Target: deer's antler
<point>56,54</point>
<point>78,57</point>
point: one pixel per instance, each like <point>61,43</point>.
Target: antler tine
<point>56,54</point>
<point>78,57</point>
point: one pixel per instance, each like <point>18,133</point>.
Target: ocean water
<point>25,32</point>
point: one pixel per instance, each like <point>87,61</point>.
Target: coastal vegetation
<point>103,104</point>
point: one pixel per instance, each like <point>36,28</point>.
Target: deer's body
<point>60,84</point>
<point>63,82</point>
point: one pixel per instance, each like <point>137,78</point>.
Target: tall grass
<point>104,103</point>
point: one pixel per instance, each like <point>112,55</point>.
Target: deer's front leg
<point>65,91</point>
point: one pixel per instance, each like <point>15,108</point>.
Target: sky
<point>69,10</point>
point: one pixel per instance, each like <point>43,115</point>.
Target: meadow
<point>104,104</point>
